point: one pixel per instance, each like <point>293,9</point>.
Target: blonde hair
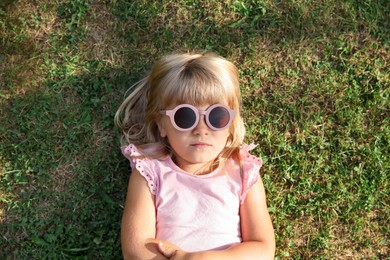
<point>196,79</point>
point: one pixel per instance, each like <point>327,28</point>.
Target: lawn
<point>315,83</point>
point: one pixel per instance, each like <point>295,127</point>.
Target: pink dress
<point>197,212</point>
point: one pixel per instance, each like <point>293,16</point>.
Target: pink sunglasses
<point>185,117</point>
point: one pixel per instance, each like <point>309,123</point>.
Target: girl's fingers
<point>166,251</point>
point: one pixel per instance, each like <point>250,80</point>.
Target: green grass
<point>315,84</point>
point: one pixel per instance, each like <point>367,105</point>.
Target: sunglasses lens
<point>185,117</point>
<point>219,117</point>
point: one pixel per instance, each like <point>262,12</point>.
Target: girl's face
<point>194,149</point>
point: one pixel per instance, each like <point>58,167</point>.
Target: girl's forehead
<point>197,94</point>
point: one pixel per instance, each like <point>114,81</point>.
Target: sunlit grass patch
<point>313,115</point>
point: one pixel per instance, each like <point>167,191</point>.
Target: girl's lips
<point>200,145</point>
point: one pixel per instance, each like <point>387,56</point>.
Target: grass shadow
<point>62,170</point>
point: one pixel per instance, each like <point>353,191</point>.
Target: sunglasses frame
<point>198,113</point>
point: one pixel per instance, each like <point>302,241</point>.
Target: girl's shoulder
<point>142,160</point>
<point>247,157</point>
<point>250,169</point>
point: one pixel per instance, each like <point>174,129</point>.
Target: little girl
<point>194,191</point>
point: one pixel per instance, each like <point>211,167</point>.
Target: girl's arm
<point>256,224</point>
<point>256,228</point>
<point>139,221</point>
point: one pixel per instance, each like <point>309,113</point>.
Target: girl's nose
<point>201,127</point>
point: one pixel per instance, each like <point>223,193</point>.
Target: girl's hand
<point>171,251</point>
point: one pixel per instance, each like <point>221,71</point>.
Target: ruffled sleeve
<point>143,165</point>
<point>251,166</point>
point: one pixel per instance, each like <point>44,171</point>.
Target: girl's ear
<point>161,127</point>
